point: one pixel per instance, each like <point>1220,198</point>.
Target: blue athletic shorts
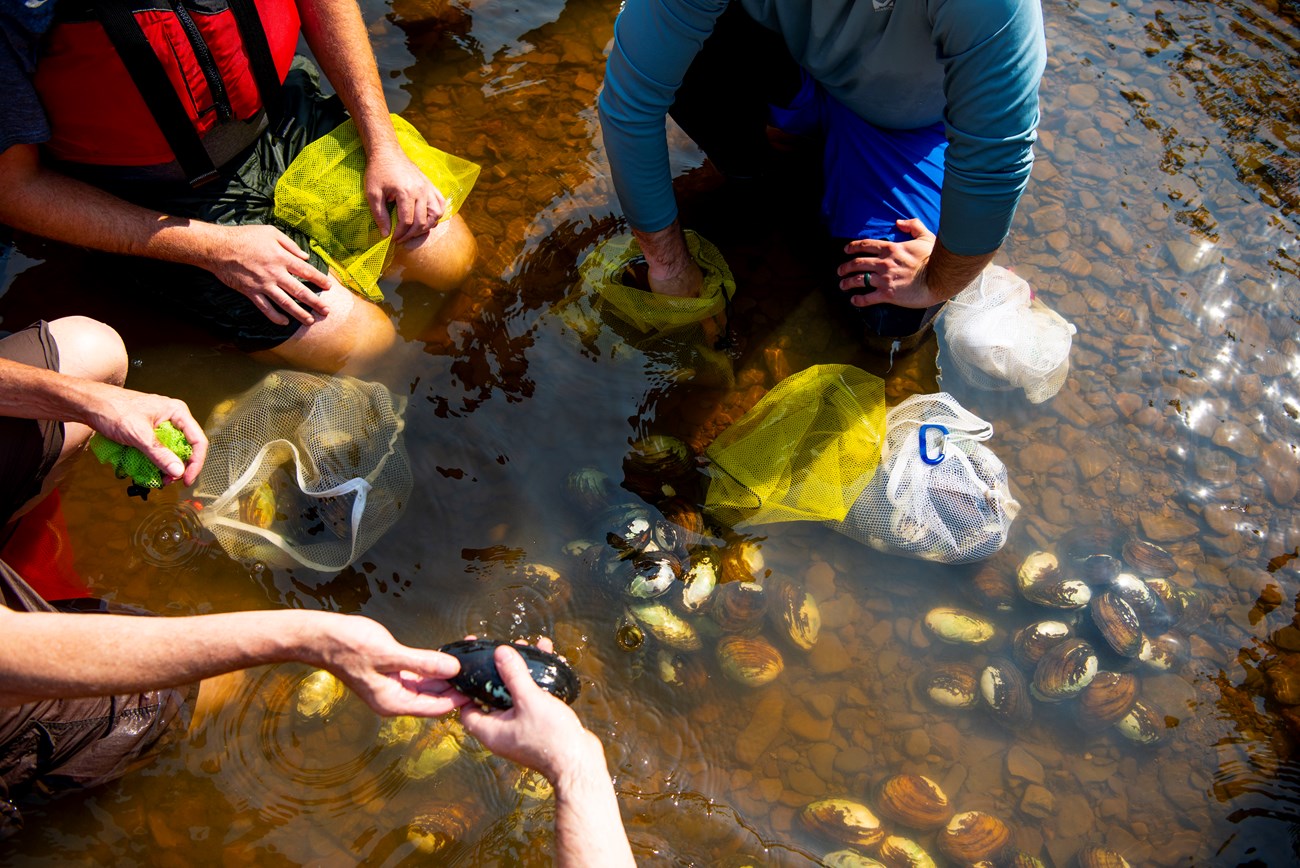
<point>874,176</point>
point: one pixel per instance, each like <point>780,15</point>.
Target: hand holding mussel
<point>480,681</point>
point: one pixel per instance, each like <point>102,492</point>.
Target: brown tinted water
<point>1161,221</point>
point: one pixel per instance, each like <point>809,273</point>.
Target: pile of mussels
<point>1100,610</point>
<point>680,586</point>
<point>910,806</point>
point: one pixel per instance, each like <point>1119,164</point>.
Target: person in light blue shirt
<point>926,111</point>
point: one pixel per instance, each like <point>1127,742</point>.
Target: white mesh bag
<point>305,469</point>
<point>939,494</point>
<point>999,336</point>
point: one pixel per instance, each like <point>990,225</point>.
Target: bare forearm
<point>948,273</point>
<point>27,392</point>
<point>47,655</point>
<point>338,38</point>
<point>588,827</point>
<point>49,204</point>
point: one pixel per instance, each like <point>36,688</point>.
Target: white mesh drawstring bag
<point>939,494</point>
<point>304,469</point>
<point>999,336</point>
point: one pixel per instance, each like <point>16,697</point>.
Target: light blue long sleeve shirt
<point>973,64</point>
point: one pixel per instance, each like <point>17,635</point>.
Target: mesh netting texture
<point>323,193</point>
<point>805,452</point>
<point>305,469</point>
<point>940,494</point>
<point>676,333</point>
<point>999,336</point>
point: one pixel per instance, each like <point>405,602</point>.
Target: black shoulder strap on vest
<point>260,60</point>
<point>151,80</point>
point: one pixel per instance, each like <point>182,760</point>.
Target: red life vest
<point>96,112</point>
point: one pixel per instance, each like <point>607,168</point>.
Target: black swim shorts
<point>243,193</point>
<point>28,447</point>
<point>56,745</point>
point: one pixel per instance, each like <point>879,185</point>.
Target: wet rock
<point>1082,95</point>
<point>1238,438</point>
<point>1038,801</point>
<point>1166,528</point>
<point>1116,235</point>
<point>1021,765</point>
<point>1191,258</point>
<point>916,744</point>
<point>828,655</point>
<point>1282,675</point>
<point>1074,816</point>
<point>762,728</point>
<point>852,760</point>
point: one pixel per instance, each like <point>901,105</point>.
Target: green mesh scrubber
<point>129,461</point>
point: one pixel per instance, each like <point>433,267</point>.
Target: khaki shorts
<point>28,447</point>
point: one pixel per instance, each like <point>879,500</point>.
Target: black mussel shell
<point>479,680</point>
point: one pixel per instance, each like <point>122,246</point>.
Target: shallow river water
<point>1162,221</point>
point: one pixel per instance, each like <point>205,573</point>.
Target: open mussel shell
<point>951,685</point>
<point>665,625</point>
<point>1117,623</point>
<point>1092,856</point>
<point>1144,724</point>
<point>318,694</point>
<point>628,635</point>
<point>797,616</point>
<point>589,489</point>
<point>958,626</point>
<point>1149,560</point>
<point>739,607</point>
<point>844,821</point>
<point>1064,670</point>
<point>480,681</point>
<point>749,660</point>
<point>1107,698</point>
<point>975,836</point>
<point>1031,641</point>
<point>1006,693</point>
<point>914,801</point>
<point>896,850</point>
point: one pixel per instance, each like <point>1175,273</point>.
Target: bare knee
<point>89,349</point>
<point>351,339</point>
<point>440,260</point>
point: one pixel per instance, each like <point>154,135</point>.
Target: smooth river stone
<point>1163,528</point>
<point>1238,438</point>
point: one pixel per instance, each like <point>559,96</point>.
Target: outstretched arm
<point>48,655</point>
<point>337,36</point>
<point>258,261</point>
<point>543,733</point>
<point>123,415</point>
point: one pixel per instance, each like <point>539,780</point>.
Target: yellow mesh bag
<point>323,193</point>
<point>805,452</point>
<point>675,334</point>
<point>603,268</point>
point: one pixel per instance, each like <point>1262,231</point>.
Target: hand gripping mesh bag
<point>805,452</point>
<point>940,494</point>
<point>677,332</point>
<point>999,336</point>
<point>305,469</point>
<point>323,193</point>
